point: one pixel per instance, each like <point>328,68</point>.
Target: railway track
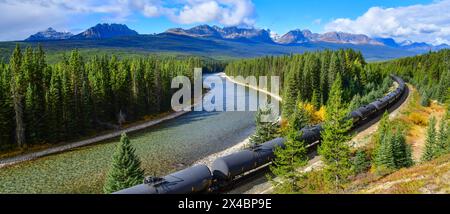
<point>248,182</point>
<point>239,168</point>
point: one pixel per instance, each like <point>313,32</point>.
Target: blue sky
<point>417,20</point>
<point>313,15</point>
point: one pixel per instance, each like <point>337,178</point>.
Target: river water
<point>164,148</point>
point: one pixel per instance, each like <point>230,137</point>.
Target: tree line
<point>308,77</point>
<point>430,73</point>
<point>343,88</point>
<point>50,103</point>
<point>317,87</point>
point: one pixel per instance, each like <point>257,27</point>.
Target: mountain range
<point>231,33</point>
<point>215,42</point>
<point>49,34</point>
<point>294,37</point>
<point>100,31</point>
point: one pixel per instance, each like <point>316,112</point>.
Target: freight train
<point>224,170</point>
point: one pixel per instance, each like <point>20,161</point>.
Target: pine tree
<point>384,152</point>
<point>6,107</point>
<point>18,89</point>
<point>265,131</point>
<point>334,149</point>
<point>30,117</point>
<point>290,95</point>
<point>288,161</point>
<point>391,150</point>
<point>42,85</point>
<point>355,103</point>
<point>324,85</point>
<point>425,101</point>
<point>54,100</point>
<point>334,68</point>
<point>401,151</point>
<point>125,170</point>
<point>76,77</point>
<point>384,156</point>
<point>315,101</point>
<point>300,118</point>
<point>430,144</point>
<point>443,142</point>
<point>360,162</point>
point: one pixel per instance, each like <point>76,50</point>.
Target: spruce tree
<point>125,170</point>
<point>430,144</point>
<point>18,88</point>
<point>54,100</point>
<point>6,107</point>
<point>334,149</point>
<point>265,131</point>
<point>391,150</point>
<point>290,95</point>
<point>360,162</point>
<point>384,153</point>
<point>334,68</point>
<point>324,85</point>
<point>315,100</point>
<point>288,161</point>
<point>300,117</point>
<point>402,151</point>
<point>425,101</point>
<point>443,142</point>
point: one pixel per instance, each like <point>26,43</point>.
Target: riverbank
<point>163,149</point>
<point>276,96</point>
<point>243,144</point>
<point>58,149</point>
<point>33,154</point>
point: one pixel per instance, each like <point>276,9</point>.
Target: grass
<point>415,118</point>
<point>429,177</point>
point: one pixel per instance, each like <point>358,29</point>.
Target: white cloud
<point>201,12</point>
<point>225,12</point>
<point>20,18</point>
<point>423,23</point>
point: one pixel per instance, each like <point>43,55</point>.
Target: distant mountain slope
<point>233,33</point>
<point>252,35</point>
<point>230,41</point>
<point>417,47</point>
<point>303,36</point>
<point>203,46</point>
<point>105,31</point>
<point>49,34</point>
<point>298,36</point>
<point>294,36</point>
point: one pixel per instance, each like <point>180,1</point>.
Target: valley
<point>217,43</point>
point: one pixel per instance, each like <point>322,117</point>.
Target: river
<point>164,148</point>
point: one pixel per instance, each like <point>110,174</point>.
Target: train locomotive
<point>224,170</point>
